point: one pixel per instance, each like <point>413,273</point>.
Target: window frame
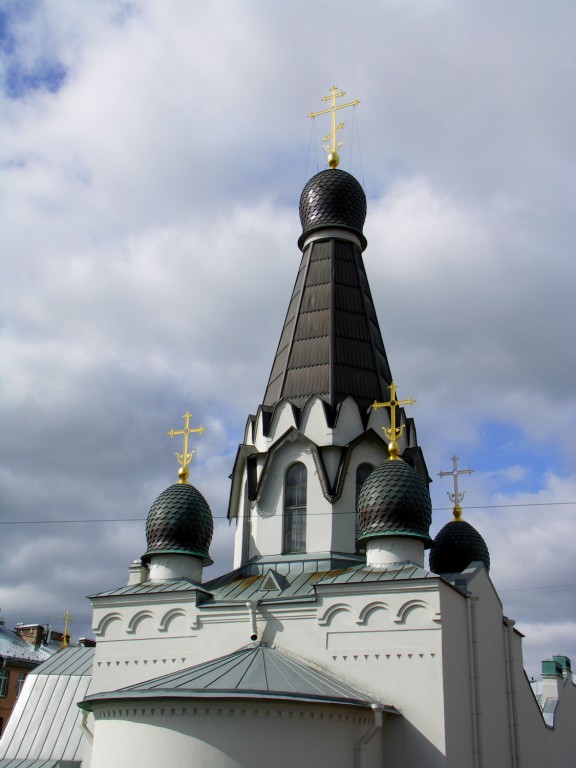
<point>4,680</point>
<point>295,503</point>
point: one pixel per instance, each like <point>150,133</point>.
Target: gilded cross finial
<point>393,433</point>
<point>65,639</point>
<point>185,457</point>
<point>333,147</point>
<point>457,496</point>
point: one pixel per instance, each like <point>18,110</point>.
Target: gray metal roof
<point>255,672</point>
<point>72,661</point>
<point>14,647</point>
<point>150,587</point>
<point>43,730</point>
<point>40,763</point>
<point>238,586</point>
<point>331,345</point>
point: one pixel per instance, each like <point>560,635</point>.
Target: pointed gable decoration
<point>270,582</point>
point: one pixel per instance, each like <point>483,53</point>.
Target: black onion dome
<point>457,545</point>
<point>179,522</point>
<point>332,198</point>
<point>395,501</point>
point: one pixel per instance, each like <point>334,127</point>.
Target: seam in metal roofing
<point>43,730</point>
<point>72,661</point>
<point>236,586</point>
<point>150,587</point>
<point>256,671</point>
<point>40,763</point>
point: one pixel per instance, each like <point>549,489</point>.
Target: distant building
<point>20,652</point>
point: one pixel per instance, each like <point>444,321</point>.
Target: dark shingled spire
<point>331,345</point>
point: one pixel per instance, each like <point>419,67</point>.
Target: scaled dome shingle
<point>394,501</point>
<point>179,522</point>
<point>332,198</point>
<point>457,545</point>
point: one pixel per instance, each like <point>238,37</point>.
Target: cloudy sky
<point>152,158</point>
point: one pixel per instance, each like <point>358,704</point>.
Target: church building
<point>331,643</point>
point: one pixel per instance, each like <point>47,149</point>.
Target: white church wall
<point>493,684</point>
<point>227,734</point>
<point>387,641</point>
<point>348,423</point>
<point>242,529</point>
<point>457,675</point>
<point>282,421</point>
<point>267,516</point>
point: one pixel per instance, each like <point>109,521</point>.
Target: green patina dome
<point>179,523</point>
<point>395,501</point>
<point>457,545</point>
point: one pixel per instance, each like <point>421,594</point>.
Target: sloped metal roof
<point>150,587</point>
<point>13,646</point>
<point>255,672</point>
<point>72,661</point>
<point>43,730</point>
<point>331,345</point>
<point>236,586</point>
<point>40,763</point>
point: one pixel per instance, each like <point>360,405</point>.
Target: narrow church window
<point>362,472</point>
<point>295,508</point>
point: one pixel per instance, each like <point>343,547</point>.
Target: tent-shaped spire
<point>331,345</point>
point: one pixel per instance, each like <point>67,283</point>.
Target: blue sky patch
<point>45,75</point>
<point>22,77</point>
<point>503,446</point>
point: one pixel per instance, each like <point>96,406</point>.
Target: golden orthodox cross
<point>457,496</point>
<point>67,619</point>
<point>185,457</point>
<point>334,146</point>
<point>393,433</point>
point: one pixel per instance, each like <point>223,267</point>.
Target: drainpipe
<point>474,693</point>
<point>511,690</point>
<point>370,733</point>
<point>84,727</point>
<point>251,605</point>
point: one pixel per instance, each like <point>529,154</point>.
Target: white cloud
<point>150,226</point>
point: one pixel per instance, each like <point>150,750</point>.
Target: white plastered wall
<point>227,734</point>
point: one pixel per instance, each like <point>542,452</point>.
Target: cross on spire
<point>66,637</point>
<point>185,457</point>
<point>457,496</point>
<point>393,433</point>
<point>334,146</point>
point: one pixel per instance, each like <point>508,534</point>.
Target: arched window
<point>295,508</point>
<point>362,472</point>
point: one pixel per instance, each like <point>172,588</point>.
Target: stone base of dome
<point>167,567</point>
<point>387,550</point>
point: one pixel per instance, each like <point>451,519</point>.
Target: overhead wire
<point>309,514</point>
